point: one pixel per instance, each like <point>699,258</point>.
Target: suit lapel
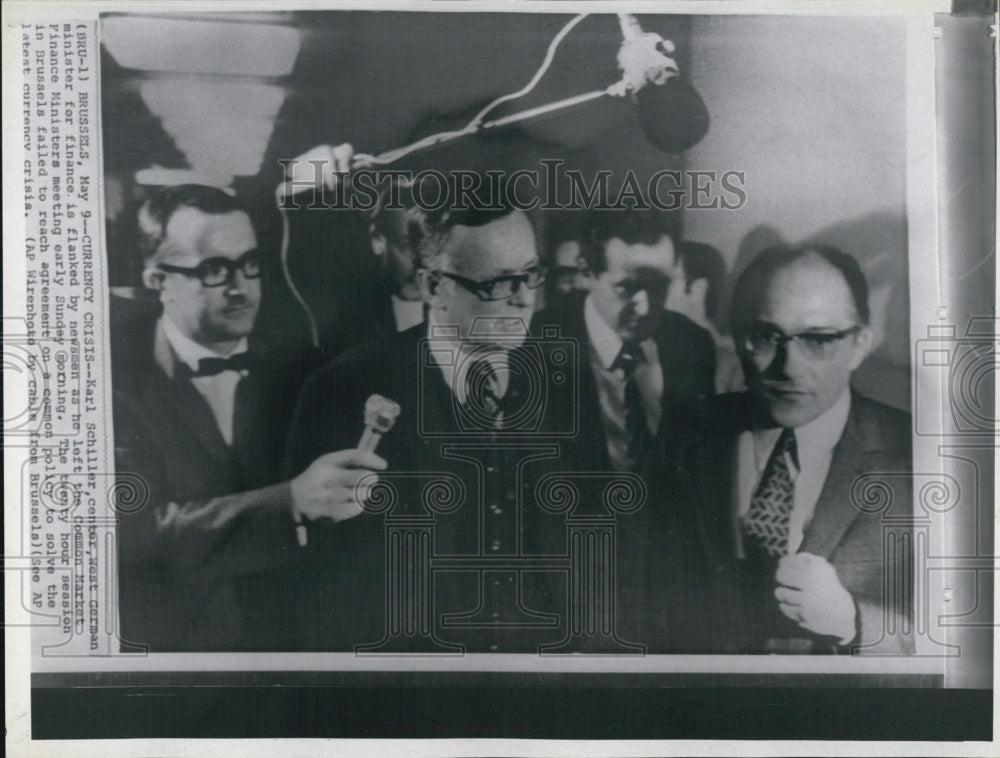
<point>718,513</point>
<point>186,403</point>
<point>835,510</point>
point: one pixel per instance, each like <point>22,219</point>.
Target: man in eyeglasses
<point>460,458</point>
<point>201,410</point>
<point>798,560</point>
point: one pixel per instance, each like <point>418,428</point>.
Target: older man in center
<point>458,460</point>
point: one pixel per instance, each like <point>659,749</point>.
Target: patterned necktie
<point>766,523</point>
<point>482,393</point>
<point>635,413</point>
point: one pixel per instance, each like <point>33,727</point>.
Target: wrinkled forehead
<point>623,258</point>
<point>504,245</point>
<point>194,234</point>
<point>807,293</point>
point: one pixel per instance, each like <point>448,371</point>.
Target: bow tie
<point>214,366</point>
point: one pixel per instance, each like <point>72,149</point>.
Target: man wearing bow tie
<point>783,552</point>
<point>201,411</point>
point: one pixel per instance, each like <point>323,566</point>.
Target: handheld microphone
<point>380,415</point>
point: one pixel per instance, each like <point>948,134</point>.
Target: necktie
<point>635,413</point>
<point>766,523</point>
<point>482,392</point>
<point>214,366</point>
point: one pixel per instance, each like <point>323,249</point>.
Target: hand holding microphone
<point>329,488</point>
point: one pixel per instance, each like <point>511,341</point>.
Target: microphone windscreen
<point>673,116</point>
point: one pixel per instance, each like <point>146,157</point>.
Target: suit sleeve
<point>230,535</point>
<point>319,425</point>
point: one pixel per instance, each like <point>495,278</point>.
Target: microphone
<point>671,113</point>
<point>672,116</point>
<point>380,415</point>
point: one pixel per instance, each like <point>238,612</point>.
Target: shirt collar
<point>190,352</point>
<point>814,440</point>
<point>407,313</point>
<point>607,344</point>
<point>455,373</point>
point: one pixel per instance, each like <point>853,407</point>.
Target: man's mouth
<point>784,393</point>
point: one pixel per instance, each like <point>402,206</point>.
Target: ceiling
<point>220,98</point>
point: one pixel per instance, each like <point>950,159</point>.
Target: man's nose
<point>789,361</point>
<point>236,283</point>
<point>640,303</point>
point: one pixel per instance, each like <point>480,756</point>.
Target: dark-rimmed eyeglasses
<point>500,287</point>
<point>215,272</point>
<point>764,341</point>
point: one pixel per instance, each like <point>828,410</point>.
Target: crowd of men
<point>269,526</point>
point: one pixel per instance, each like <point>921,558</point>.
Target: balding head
<point>800,320</point>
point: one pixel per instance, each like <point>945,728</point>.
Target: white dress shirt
<point>218,390</point>
<point>605,346</point>
<point>455,358</point>
<point>814,443</point>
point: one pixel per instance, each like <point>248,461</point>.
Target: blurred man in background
<point>695,286</point>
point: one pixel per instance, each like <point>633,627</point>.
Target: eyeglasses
<point>764,340</point>
<point>500,287</point>
<point>214,272</point>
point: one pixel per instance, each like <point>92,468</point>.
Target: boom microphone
<point>672,116</point>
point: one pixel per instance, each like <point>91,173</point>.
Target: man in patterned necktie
<point>802,566</point>
<point>201,410</point>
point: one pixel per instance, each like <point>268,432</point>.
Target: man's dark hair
<point>403,227</point>
<point>155,213</point>
<point>753,281</point>
<point>633,227</point>
<point>703,261</point>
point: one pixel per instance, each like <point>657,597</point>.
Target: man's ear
<point>863,342</point>
<point>698,289</point>
<point>379,243</point>
<point>152,279</point>
<point>428,282</point>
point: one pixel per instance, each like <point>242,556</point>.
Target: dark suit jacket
<point>216,516</point>
<point>706,603</point>
<point>495,514</point>
<point>687,355</point>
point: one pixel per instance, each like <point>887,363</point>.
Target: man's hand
<point>329,487</point>
<point>329,164</point>
<point>810,593</point>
